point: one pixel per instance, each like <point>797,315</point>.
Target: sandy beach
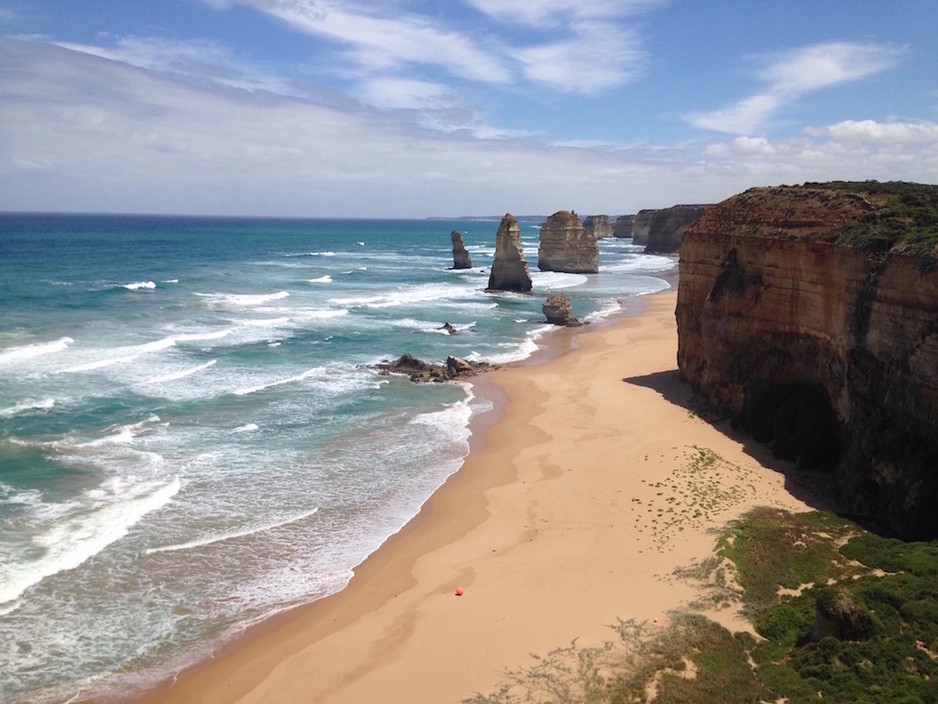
<point>586,486</point>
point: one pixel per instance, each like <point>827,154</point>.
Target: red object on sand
<point>459,591</point>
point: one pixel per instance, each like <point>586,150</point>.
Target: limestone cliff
<point>809,314</point>
<point>660,230</point>
<point>509,269</point>
<point>599,225</point>
<point>565,245</point>
<point>461,259</point>
<point>623,226</point>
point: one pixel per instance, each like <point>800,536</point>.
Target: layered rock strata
<point>509,269</point>
<point>558,309</point>
<point>660,230</point>
<point>599,225</point>
<point>461,259</point>
<point>623,226</point>
<point>567,246</point>
<point>810,316</point>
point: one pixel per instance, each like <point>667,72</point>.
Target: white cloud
<point>404,93</point>
<point>554,13</point>
<point>789,75</point>
<point>854,131</point>
<point>742,118</point>
<point>389,42</point>
<point>81,133</point>
<point>823,65</point>
<point>853,150</point>
<point>199,61</point>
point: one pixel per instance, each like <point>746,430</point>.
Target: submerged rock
<point>509,269</point>
<point>461,259</point>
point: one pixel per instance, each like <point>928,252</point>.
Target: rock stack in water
<point>509,270</point>
<point>599,225</point>
<point>461,258</point>
<point>559,310</point>
<point>567,246</point>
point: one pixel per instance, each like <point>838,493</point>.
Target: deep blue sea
<point>192,437</point>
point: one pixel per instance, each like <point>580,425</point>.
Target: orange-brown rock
<point>810,316</point>
<point>509,269</point>
<point>461,259</point>
<point>660,230</point>
<point>599,225</point>
<point>567,246</point>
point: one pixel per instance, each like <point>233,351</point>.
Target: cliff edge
<point>809,314</point>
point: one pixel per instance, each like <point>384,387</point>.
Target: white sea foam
<point>641,264</point>
<point>316,371</point>
<point>182,374</point>
<point>27,405</point>
<point>556,279</point>
<point>246,428</point>
<point>321,280</point>
<point>139,285</point>
<point>83,534</point>
<point>242,300</point>
<point>319,314</point>
<point>29,351</point>
<point>440,294</point>
<point>213,538</point>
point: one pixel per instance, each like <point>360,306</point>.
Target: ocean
<point>193,436</point>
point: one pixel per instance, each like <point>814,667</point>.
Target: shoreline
<point>556,525</point>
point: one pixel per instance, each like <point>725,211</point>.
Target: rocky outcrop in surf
<point>809,315</point>
<point>509,269</point>
<point>461,259</point>
<point>420,371</point>
<point>567,246</point>
<point>558,309</point>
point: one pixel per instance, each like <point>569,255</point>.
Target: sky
<point>413,108</point>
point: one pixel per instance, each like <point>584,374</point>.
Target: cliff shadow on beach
<point>813,486</point>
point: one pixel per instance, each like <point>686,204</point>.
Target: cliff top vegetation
<point>904,218</point>
<point>893,216</point>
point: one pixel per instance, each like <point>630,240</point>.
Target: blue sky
<point>409,108</point>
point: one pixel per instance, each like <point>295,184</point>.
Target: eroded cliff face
<point>599,225</point>
<point>801,317</point>
<point>567,246</point>
<point>661,230</point>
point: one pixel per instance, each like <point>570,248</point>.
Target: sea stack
<point>558,309</point>
<point>509,270</point>
<point>599,225</point>
<point>461,258</point>
<point>567,246</point>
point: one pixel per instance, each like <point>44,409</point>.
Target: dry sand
<point>572,510</point>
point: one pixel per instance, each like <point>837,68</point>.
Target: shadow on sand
<point>812,486</point>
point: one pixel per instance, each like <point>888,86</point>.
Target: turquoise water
<point>192,436</point>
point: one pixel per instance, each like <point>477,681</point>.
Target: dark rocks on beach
<point>509,269</point>
<point>559,310</point>
<point>419,371</point>
<point>461,259</point>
